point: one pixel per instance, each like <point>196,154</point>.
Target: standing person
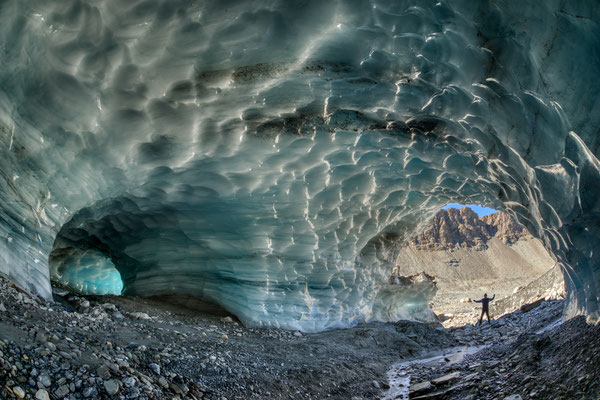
<point>485,307</point>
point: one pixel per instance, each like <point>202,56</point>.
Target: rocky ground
<point>455,310</point>
<point>127,348</point>
<point>525,357</point>
<point>101,347</point>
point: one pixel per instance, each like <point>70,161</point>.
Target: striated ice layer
<point>269,156</point>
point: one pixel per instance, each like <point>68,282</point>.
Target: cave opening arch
<point>443,94</point>
<point>85,271</point>
<point>312,260</point>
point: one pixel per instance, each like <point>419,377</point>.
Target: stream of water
<point>399,374</point>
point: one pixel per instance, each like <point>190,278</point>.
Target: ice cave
<point>269,156</point>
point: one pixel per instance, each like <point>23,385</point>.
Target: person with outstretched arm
<point>485,307</point>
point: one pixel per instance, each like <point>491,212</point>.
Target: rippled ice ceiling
<point>269,155</point>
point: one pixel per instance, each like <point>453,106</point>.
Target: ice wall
<point>267,156</point>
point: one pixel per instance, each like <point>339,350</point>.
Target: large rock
<point>530,306</point>
<point>446,378</point>
<point>421,387</point>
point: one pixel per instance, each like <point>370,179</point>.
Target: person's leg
<point>480,318</point>
<point>487,312</point>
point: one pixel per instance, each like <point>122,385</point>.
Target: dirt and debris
<point>107,347</point>
<point>100,347</point>
<point>524,355</point>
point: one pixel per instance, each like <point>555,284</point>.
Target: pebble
<point>103,372</point>
<point>129,381</point>
<point>90,392</point>
<point>20,393</point>
<point>40,338</point>
<point>139,315</point>
<point>45,380</point>
<point>42,395</point>
<point>155,368</point>
<point>62,391</point>
<point>163,382</point>
<point>111,387</point>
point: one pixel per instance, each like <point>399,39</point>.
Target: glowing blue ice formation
<point>268,157</point>
<point>89,272</point>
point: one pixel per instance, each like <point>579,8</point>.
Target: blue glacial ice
<point>270,156</point>
<point>89,271</point>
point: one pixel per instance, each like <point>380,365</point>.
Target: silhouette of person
<point>485,307</point>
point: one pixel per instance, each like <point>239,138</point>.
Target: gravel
<point>105,347</point>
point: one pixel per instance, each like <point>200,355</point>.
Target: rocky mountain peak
<point>462,228</point>
<point>507,227</point>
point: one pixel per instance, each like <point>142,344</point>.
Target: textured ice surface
<point>406,298</point>
<point>88,271</point>
<point>268,156</point>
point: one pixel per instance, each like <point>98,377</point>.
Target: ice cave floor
<point>123,347</point>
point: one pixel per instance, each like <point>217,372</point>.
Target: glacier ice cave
<point>268,156</point>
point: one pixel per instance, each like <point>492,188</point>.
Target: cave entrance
<point>86,271</point>
<point>470,250</point>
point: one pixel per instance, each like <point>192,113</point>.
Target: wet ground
<point>526,355</point>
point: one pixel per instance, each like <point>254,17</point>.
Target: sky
<point>478,208</point>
